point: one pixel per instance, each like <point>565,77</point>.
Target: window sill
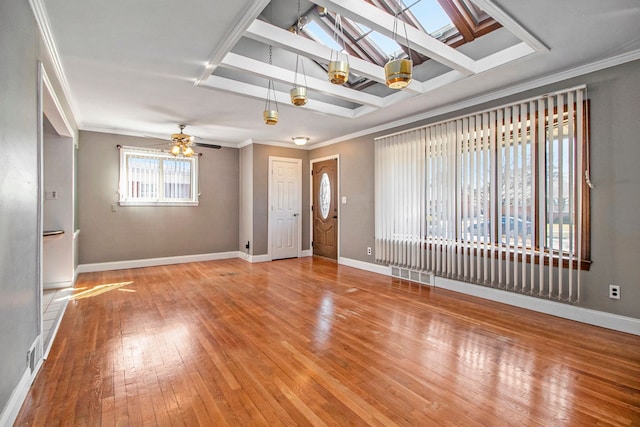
<point>514,254</point>
<point>151,203</point>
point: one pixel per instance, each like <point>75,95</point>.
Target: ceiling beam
<point>260,92</point>
<point>268,71</point>
<point>509,23</point>
<point>270,34</point>
<point>251,12</point>
<point>382,22</point>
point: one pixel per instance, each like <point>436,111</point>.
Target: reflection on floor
<point>54,302</point>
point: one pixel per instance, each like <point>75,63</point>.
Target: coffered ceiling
<point>142,67</point>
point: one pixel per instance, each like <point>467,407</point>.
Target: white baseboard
<point>12,408</point>
<point>603,319</point>
<point>259,258</point>
<point>10,411</point>
<point>306,253</point>
<point>152,262</point>
<point>368,266</point>
<point>58,285</point>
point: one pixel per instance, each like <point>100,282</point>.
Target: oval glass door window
<point>325,195</point>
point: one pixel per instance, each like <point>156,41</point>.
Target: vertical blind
<point>494,198</point>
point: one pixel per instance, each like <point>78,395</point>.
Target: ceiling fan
<point>182,143</point>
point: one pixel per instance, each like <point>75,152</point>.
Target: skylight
<point>386,45</point>
<point>321,35</point>
<point>430,14</point>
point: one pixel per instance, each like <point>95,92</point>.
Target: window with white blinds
<point>498,198</point>
<point>153,177</point>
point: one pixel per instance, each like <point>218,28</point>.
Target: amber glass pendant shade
<point>398,73</point>
<point>338,72</point>
<point>299,96</point>
<point>270,117</point>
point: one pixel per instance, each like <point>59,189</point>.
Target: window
<point>499,197</point>
<point>153,177</point>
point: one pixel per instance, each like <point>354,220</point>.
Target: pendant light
<point>338,70</point>
<point>270,114</point>
<point>398,71</point>
<point>299,92</point>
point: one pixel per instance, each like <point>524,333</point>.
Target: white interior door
<point>285,202</point>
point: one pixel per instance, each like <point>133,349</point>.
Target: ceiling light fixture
<point>300,140</point>
<point>270,115</point>
<point>299,93</point>
<point>398,71</point>
<point>338,70</point>
<point>182,143</point>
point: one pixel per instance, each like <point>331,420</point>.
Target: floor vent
<point>412,275</point>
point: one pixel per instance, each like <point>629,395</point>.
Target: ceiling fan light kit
<point>182,143</point>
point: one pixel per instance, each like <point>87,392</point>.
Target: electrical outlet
<point>369,250</point>
<point>614,291</point>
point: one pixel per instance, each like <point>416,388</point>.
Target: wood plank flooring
<point>308,342</point>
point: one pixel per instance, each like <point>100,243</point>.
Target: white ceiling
<point>142,67</point>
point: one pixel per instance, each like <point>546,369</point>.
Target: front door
<point>325,208</point>
<point>285,201</point>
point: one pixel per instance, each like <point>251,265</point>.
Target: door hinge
<point>311,244</point>
<point>311,208</point>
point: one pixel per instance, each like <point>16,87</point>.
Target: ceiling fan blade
<point>202,144</point>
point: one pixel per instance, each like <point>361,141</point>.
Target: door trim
<point>270,198</point>
<point>338,197</point>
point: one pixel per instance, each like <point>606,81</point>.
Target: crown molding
<point>512,90</point>
<point>160,137</point>
<point>42,19</point>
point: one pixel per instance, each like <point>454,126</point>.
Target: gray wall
<point>261,155</point>
<point>18,191</point>
<point>140,232</point>
<point>615,200</point>
<point>245,232</point>
<point>356,226</point>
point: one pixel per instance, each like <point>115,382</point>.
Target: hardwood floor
<point>307,342</point>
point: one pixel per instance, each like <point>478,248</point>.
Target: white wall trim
<point>246,17</point>
<point>306,253</point>
<point>10,411</point>
<point>58,285</point>
<point>152,262</point>
<point>603,319</point>
<point>566,311</point>
<point>40,14</point>
<point>491,96</point>
<point>270,217</point>
<point>367,266</point>
<point>258,258</point>
<point>12,408</point>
